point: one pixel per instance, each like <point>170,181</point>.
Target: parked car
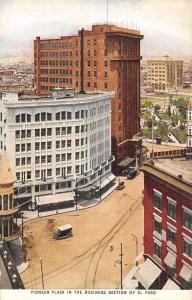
<point>120,186</point>
<point>132,173</point>
<point>63,232</point>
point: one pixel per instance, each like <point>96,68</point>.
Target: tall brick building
<point>105,58</point>
<point>168,218</point>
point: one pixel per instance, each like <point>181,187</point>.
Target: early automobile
<point>120,185</point>
<point>63,232</point>
<point>132,173</point>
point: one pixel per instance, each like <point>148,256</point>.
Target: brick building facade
<point>168,218</point>
<point>105,58</point>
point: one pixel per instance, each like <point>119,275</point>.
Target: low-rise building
<point>168,219</point>
<point>57,143</point>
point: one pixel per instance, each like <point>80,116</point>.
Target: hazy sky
<point>166,24</point>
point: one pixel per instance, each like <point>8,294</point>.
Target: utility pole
<point>121,265</point>
<point>120,261</point>
<point>42,279</point>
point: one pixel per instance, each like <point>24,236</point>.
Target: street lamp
<point>120,261</point>
<point>136,242</point>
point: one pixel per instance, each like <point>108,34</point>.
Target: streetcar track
<point>78,259</point>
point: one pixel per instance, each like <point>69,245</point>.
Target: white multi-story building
<point>55,143</point>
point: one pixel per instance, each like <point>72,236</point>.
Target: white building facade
<point>57,143</point>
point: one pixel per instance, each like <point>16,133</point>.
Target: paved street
<point>85,260</point>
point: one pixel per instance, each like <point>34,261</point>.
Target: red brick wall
<point>151,182</point>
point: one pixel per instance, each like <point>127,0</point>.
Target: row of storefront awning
<point>54,199</point>
<point>148,273</point>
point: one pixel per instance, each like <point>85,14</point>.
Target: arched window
<point>57,116</point>
<point>49,117</point>
<point>37,118</point>
<point>77,114</point>
<point>28,118</point>
<point>17,118</point>
<point>69,115</point>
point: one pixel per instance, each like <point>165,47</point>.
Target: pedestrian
<point>111,247</point>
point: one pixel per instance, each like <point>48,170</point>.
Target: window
<point>57,171</point>
<point>187,247</point>
<point>68,156</point>
<point>17,161</point>
<point>77,155</point>
<point>37,160</point>
<point>23,161</point>
<point>37,173</point>
<point>88,53</point>
<point>68,143</point>
<point>77,129</point>
<point>158,226</point>
<point>105,86</point>
<point>28,147</point>
<point>187,218</point>
<point>28,160</point>
<point>37,132</point>
<point>106,75</point>
<point>77,115</point>
<point>69,115</point>
<point>57,157</point>
<point>49,131</point>
<point>76,142</point>
<point>22,147</point>
<point>157,199</point>
<point>49,158</point>
<point>62,144</point>
<point>63,157</point>
<point>28,174</point>
<point>77,168</point>
<point>95,74</point>
<point>105,64</point>
<point>95,53</point>
<point>57,131</point>
<point>57,144</point>
<point>37,146</point>
<point>17,147</point>
<point>157,250</point>
<point>95,85</point>
<point>171,209</point>
<point>88,63</point>
<point>171,235</point>
<point>69,130</point>
<point>43,146</point>
<point>28,133</point>
<point>49,145</point>
<point>49,172</point>
<point>43,159</point>
<point>69,170</point>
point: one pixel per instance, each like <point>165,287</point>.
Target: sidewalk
<point>82,204</point>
